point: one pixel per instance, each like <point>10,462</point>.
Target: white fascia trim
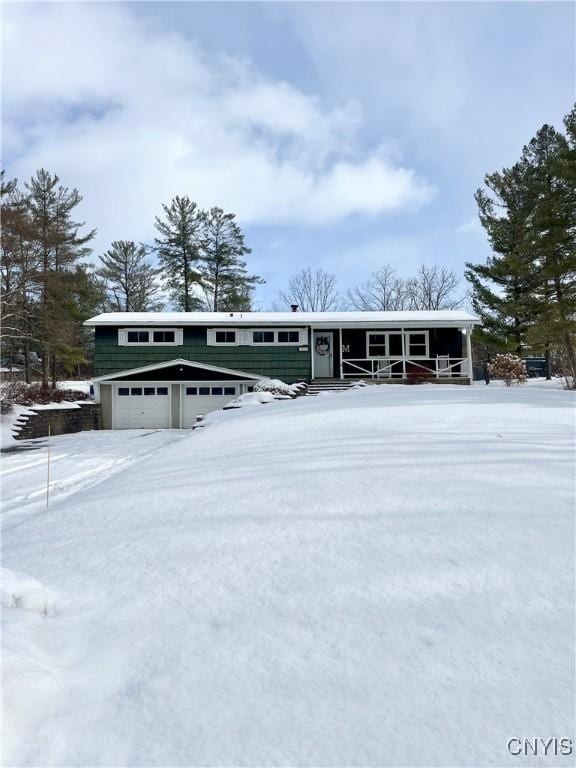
<point>178,361</point>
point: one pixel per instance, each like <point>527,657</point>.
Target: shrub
<point>277,387</point>
<point>20,393</point>
<point>417,375</point>
<point>509,368</point>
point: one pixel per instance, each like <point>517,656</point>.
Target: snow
<point>9,424</point>
<point>318,319</point>
<point>384,577</point>
<point>79,386</point>
<point>18,590</point>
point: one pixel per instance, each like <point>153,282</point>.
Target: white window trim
<point>426,335</point>
<point>406,346</point>
<point>245,337</point>
<point>123,338</point>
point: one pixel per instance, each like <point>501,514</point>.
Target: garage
<point>201,397</point>
<point>141,406</point>
<point>171,394</point>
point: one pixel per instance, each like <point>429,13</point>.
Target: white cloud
<point>133,116</point>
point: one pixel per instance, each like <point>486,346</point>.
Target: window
<point>250,389</point>
<point>149,391</point>
<point>229,390</point>
<point>163,337</point>
<point>389,344</point>
<point>136,391</point>
<point>138,337</point>
<point>123,391</point>
<point>263,337</point>
<point>216,390</point>
<point>191,390</point>
<point>288,337</point>
<point>417,344</point>
<point>256,336</point>
<point>225,337</point>
<point>203,390</point>
<point>377,344</point>
<point>161,390</point>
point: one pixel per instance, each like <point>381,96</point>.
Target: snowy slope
<point>374,578</point>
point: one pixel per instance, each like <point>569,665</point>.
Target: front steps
<point>329,385</point>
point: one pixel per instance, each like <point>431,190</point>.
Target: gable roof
<point>178,361</point>
<point>442,317</point>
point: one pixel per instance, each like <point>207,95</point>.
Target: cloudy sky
<point>344,135</point>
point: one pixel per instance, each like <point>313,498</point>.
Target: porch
<point>394,355</point>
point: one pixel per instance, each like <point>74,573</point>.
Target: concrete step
<point>329,385</point>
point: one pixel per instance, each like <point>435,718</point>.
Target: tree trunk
<point>27,377</point>
<point>45,365</point>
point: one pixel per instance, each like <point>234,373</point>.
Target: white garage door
<point>199,398</point>
<point>142,406</point>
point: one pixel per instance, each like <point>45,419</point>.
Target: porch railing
<point>402,368</point>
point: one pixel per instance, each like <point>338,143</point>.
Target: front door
<point>323,354</point>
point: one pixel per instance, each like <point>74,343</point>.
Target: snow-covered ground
<point>382,577</point>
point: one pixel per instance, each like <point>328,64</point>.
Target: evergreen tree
<point>130,280</point>
<point>225,282</point>
<point>501,287</point>
<point>179,249</point>
<point>551,240</point>
<point>59,248</point>
<point>18,272</point>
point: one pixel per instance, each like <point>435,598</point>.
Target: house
<point>164,369</point>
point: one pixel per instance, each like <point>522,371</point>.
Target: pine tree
<point>59,247</point>
<point>501,288</point>
<point>130,279</point>
<point>551,239</point>
<point>225,282</point>
<point>179,249</point>
<point>18,271</point>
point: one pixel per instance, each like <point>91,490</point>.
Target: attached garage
<point>168,395</point>
<point>145,406</point>
<point>201,397</point>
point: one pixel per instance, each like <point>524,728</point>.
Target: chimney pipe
<point>294,307</point>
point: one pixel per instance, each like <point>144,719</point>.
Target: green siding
<point>286,363</point>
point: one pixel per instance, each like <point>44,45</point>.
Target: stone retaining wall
<point>61,420</point>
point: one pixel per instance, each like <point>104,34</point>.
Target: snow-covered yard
<point>383,577</point>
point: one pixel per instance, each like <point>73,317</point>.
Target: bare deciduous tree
<point>312,291</point>
<point>432,288</point>
<point>384,291</point>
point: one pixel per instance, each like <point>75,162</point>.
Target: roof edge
<point>177,361</point>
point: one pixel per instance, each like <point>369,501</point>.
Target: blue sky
<point>344,135</point>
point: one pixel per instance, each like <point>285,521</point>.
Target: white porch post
<point>469,352</point>
<point>403,352</point>
<point>341,362</point>
<point>311,352</point>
